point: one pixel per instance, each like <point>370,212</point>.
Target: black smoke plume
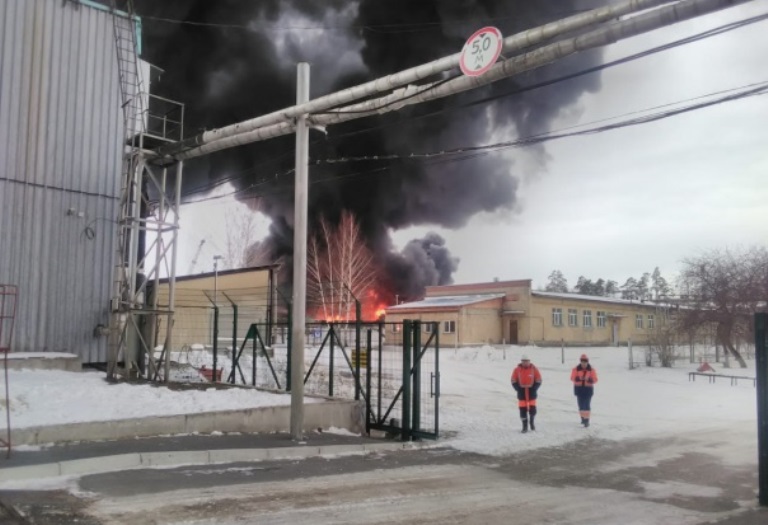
<point>227,74</point>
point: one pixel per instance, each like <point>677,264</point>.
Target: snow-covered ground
<point>478,409</point>
<point>479,405</point>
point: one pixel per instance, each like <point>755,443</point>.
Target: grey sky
<point>617,204</point>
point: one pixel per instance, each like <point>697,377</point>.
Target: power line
<point>476,151</point>
<point>409,27</point>
<point>758,88</point>
<point>684,41</point>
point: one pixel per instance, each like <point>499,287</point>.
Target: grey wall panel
<point>60,149</point>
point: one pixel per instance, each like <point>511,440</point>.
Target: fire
<point>373,308</point>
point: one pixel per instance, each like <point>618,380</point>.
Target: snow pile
<point>49,397</point>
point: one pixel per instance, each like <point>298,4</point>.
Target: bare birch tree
<point>340,268</point>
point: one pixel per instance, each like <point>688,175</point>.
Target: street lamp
<point>216,259</point>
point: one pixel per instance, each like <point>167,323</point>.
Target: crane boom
<point>196,257</point>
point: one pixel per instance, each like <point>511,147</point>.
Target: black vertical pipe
<point>368,338</point>
<point>405,424</point>
<point>761,363</point>
<point>416,377</point>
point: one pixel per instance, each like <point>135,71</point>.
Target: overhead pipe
<point>511,44</point>
<point>609,34</point>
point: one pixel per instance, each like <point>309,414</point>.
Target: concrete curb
<point>103,464</point>
<point>260,420</point>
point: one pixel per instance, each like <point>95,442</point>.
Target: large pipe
<point>511,44</point>
<point>610,33</point>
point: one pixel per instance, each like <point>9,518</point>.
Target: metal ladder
<point>132,105</point>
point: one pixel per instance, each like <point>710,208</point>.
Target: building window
<point>651,322</point>
<point>639,321</point>
<point>449,327</point>
<point>573,317</point>
<point>601,319</point>
<point>587,319</point>
<point>557,317</point>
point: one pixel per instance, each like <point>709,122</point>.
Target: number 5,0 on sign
<point>481,51</point>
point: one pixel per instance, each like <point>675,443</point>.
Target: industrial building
<point>512,312</point>
<point>61,136</point>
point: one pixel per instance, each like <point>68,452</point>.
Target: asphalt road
<point>672,480</point>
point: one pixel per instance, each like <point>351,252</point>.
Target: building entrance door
<point>513,340</point>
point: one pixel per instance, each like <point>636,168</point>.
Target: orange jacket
<point>526,377</point>
<point>584,377</point>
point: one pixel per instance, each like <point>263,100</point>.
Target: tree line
<point>715,296</point>
<point>649,286</point>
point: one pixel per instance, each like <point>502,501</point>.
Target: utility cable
<point>475,151</point>
<point>694,38</point>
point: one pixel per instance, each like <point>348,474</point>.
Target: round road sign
<point>481,51</point>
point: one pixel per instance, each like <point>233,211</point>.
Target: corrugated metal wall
<point>60,135</point>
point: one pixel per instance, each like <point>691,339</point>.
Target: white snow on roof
<point>596,298</point>
<point>446,301</point>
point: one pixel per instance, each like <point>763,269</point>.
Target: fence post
<point>369,338</point>
<point>562,351</point>
<point>215,342</point>
<point>629,351</point>
<point>358,314</point>
<point>405,424</point>
<point>761,376</point>
<point>288,355</point>
<point>436,328</point>
<point>234,341</point>
<point>416,392</point>
<point>330,361</point>
<point>378,374</point>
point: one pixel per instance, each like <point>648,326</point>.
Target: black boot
<point>586,422</point>
<point>533,427</point>
<point>525,426</point>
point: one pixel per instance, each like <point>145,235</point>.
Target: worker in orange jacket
<point>526,380</point>
<point>584,377</point>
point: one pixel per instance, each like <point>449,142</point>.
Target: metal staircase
<point>148,212</point>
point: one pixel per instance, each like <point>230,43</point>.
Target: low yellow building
<point>250,292</point>
<point>511,312</point>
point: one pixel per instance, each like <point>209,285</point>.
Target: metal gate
<point>403,380</point>
<point>393,368</point>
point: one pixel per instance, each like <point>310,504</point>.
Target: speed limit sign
<point>481,51</point>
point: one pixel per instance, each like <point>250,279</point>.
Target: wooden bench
<point>713,378</point>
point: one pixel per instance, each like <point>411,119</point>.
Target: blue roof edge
<point>101,7</point>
